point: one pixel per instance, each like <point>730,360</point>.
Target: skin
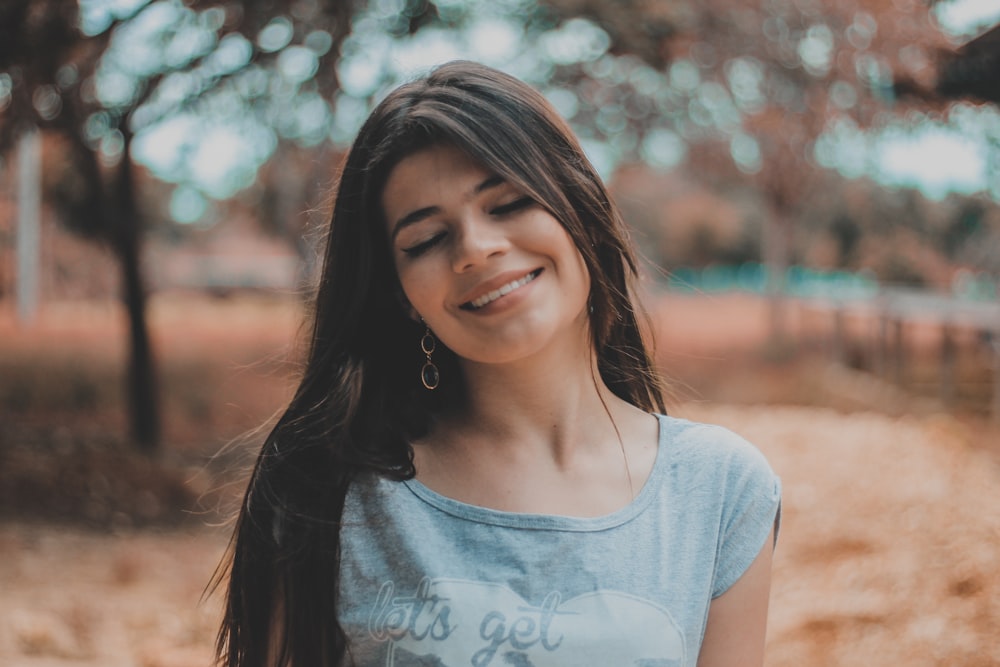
<point>538,432</point>
<point>737,619</point>
<point>459,232</point>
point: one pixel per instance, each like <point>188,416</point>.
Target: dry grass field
<point>889,551</point>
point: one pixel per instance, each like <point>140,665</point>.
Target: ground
<point>888,552</point>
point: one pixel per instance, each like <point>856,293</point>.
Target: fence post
<point>838,344</point>
<point>884,312</point>
<point>948,358</point>
<point>898,351</point>
<point>996,373</point>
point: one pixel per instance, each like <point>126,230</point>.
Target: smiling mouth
<point>503,290</point>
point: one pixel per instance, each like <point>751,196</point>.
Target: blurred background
<point>813,186</point>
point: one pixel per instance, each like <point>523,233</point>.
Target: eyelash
<point>516,205</point>
<point>423,246</point>
<point>498,211</point>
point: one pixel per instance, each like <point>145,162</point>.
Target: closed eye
<point>516,205</point>
<point>423,246</point>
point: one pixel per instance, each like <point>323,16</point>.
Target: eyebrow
<point>416,216</point>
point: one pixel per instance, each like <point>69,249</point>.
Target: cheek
<point>415,290</point>
<point>581,274</point>
<point>586,277</point>
<point>585,283</point>
<point>572,258</point>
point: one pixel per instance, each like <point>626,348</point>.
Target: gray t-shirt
<point>428,580</point>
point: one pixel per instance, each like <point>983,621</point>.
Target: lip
<point>493,284</point>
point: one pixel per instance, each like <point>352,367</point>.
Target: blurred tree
<point>774,92</point>
<point>764,81</point>
<point>98,74</point>
<point>205,92</point>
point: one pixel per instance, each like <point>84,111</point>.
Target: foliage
<point>230,79</point>
<point>100,73</point>
<point>204,93</point>
<point>742,90</point>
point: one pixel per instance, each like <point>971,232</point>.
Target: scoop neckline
<point>541,521</point>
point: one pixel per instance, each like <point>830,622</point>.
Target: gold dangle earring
<point>429,374</point>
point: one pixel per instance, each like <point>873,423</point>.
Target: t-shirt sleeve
<point>751,508</point>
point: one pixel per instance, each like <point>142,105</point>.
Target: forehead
<point>430,177</point>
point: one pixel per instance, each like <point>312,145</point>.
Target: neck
<point>542,435</point>
<point>553,404</point>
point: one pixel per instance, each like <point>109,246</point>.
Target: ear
<point>404,303</point>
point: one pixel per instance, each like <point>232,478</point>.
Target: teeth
<point>503,291</point>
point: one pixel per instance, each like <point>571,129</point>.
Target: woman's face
<point>493,274</point>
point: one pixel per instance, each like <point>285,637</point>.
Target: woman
<point>475,468</point>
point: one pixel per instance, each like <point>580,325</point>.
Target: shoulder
<point>719,470</point>
<point>716,448</point>
<point>370,496</point>
<point>728,484</point>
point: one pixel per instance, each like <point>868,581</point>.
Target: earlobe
<point>410,311</point>
<point>404,303</point>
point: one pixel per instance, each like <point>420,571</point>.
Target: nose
<point>479,239</point>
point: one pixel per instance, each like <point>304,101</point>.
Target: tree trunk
<point>109,212</point>
<point>29,225</point>
<point>143,399</point>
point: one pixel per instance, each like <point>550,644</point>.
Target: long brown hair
<point>360,401</point>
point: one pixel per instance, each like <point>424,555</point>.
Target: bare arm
<point>737,619</point>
